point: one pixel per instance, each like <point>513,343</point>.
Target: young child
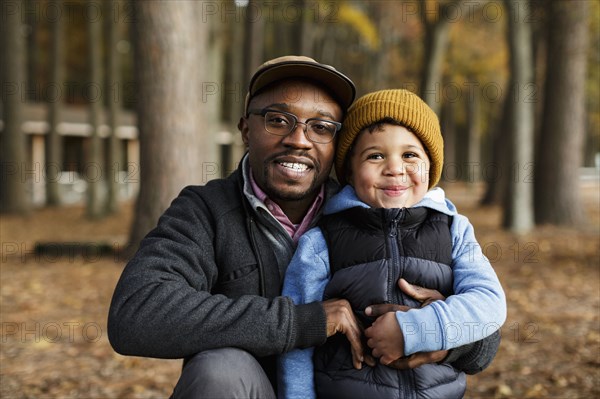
<point>388,223</point>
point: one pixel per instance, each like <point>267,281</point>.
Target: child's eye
<point>375,156</point>
<point>411,155</point>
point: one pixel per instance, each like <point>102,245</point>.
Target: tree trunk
<point>448,122</point>
<point>254,39</point>
<point>436,44</point>
<point>214,165</point>
<point>234,82</point>
<point>519,205</point>
<point>32,20</point>
<point>113,81</point>
<point>381,59</point>
<point>304,37</point>
<point>559,152</point>
<point>13,159</point>
<point>473,169</point>
<point>496,173</point>
<point>54,142</point>
<point>170,53</point>
<point>94,168</point>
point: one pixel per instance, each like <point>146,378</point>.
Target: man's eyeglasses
<point>282,123</point>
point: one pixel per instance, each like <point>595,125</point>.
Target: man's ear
<point>243,126</point>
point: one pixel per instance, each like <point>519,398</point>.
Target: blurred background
<point>109,108</point>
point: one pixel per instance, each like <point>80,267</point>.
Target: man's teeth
<point>300,167</point>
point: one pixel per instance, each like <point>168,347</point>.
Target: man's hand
<point>423,295</point>
<point>341,319</point>
<point>386,339</point>
<point>418,359</point>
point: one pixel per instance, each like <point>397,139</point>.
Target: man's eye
<point>278,120</point>
<point>322,127</point>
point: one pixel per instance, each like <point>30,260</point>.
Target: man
<point>205,284</point>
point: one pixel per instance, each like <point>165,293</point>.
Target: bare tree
<point>54,142</point>
<point>170,52</point>
<point>33,22</point>
<point>519,203</point>
<point>498,174</point>
<point>111,25</point>
<point>436,44</point>
<point>13,160</point>
<point>559,151</point>
<point>253,39</point>
<point>94,168</point>
<point>473,131</point>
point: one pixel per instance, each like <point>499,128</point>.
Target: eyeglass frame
<point>264,111</point>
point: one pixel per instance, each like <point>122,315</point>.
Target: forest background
<point>109,108</point>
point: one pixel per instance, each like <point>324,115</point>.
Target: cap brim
<point>340,86</point>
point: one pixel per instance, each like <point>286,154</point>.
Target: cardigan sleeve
<point>305,281</point>
<point>476,310</point>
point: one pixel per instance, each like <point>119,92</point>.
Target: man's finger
<point>370,360</point>
<point>401,363</point>
<point>353,335</point>
<point>418,359</point>
<point>423,295</point>
<point>341,319</point>
<point>413,291</point>
<point>378,310</point>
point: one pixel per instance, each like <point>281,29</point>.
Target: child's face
<point>389,168</point>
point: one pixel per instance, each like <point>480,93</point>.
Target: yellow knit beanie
<point>404,107</point>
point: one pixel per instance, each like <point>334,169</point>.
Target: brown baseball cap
<point>295,66</point>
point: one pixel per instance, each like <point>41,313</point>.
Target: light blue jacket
<point>476,310</point>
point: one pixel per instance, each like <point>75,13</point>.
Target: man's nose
<point>297,137</point>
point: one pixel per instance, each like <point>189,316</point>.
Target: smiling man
<point>205,284</point>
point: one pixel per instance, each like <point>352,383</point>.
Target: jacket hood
<point>434,199</point>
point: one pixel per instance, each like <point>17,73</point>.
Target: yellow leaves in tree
<point>361,23</point>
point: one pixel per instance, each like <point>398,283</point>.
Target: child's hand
<point>386,339</point>
<point>423,295</point>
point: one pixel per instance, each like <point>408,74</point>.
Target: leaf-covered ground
<point>53,309</point>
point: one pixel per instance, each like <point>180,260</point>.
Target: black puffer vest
<point>369,250</point>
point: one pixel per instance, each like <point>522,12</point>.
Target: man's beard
<point>291,195</point>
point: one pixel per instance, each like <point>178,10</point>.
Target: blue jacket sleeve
<point>305,280</point>
<point>476,310</point>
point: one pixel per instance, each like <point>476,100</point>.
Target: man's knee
<point>220,373</point>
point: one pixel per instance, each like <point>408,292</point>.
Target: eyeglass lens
<point>316,130</point>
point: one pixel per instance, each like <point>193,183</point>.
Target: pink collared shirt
<point>294,230</point>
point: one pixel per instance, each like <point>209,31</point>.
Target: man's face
<point>290,168</point>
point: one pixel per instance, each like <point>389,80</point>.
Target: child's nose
<point>395,166</point>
